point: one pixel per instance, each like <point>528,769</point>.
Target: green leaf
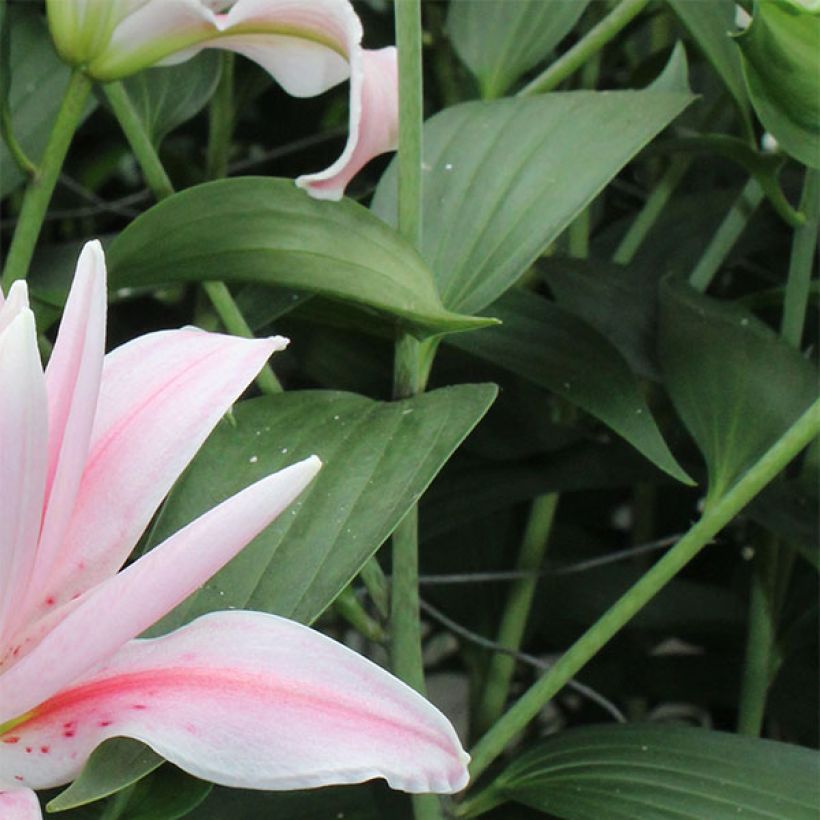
<point>167,794</point>
<point>735,384</point>
<point>499,41</point>
<point>503,179</point>
<point>167,97</point>
<point>651,771</point>
<point>38,80</point>
<point>781,63</point>
<point>368,801</point>
<point>555,349</point>
<point>378,460</point>
<point>257,229</point>
<point>710,25</point>
<point>615,300</point>
<point>112,766</point>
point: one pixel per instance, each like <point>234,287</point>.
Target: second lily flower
<point>308,46</point>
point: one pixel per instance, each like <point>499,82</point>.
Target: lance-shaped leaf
<point>649,771</point>
<point>264,230</point>
<point>503,179</point>
<point>544,343</point>
<point>736,385</point>
<point>378,459</point>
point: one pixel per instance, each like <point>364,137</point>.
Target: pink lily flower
<point>308,46</point>
<point>88,450</point>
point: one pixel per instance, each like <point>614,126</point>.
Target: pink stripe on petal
<point>160,397</point>
<point>72,383</point>
<point>19,804</point>
<point>23,431</point>
<point>374,120</point>
<point>127,604</point>
<point>250,700</point>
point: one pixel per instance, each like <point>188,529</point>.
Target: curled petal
<point>124,606</point>
<point>23,431</point>
<point>160,397</point>
<point>250,700</point>
<point>19,804</point>
<point>374,120</point>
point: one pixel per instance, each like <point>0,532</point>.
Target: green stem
<point>139,139</point>
<point>726,235</point>
<point>161,186</point>
<point>592,42</point>
<point>349,607</point>
<point>798,436</point>
<point>377,587</point>
<point>408,38</point>
<point>760,640</point>
<point>516,612</point>
<point>221,120</point>
<point>41,187</point>
<point>804,246</point>
<point>410,375</point>
<point>654,205</point>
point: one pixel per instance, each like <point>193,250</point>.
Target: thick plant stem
<point>161,186</point>
<point>760,640</point>
<point>516,612</point>
<point>221,120</point>
<point>41,187</point>
<point>140,141</point>
<point>592,42</point>
<point>804,247</point>
<point>726,235</point>
<point>409,378</point>
<point>717,516</point>
<point>349,607</point>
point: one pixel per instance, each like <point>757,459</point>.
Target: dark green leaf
<point>378,460</point>
<point>257,229</point>
<point>167,97</point>
<point>617,301</point>
<point>369,801</point>
<point>781,63</point>
<point>503,179</point>
<point>114,765</point>
<point>38,80</point>
<point>651,771</point>
<point>549,346</point>
<point>710,25</point>
<point>790,510</point>
<point>736,385</point>
<point>167,794</point>
<point>499,40</point>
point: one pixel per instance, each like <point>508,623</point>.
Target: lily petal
<point>17,301</point>
<point>127,604</point>
<point>249,700</point>
<point>73,384</point>
<point>160,397</point>
<point>374,123</point>
<point>19,804</point>
<point>23,431</point>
